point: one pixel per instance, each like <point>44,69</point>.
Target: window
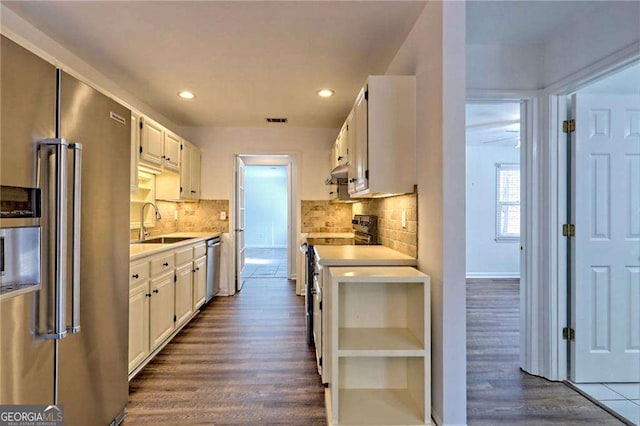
<point>507,202</point>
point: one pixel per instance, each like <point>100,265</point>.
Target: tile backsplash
<point>325,216</point>
<point>202,216</point>
<point>389,211</point>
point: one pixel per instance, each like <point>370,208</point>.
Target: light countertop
<point>138,251</point>
<point>362,256</point>
<point>376,273</point>
<point>330,235</point>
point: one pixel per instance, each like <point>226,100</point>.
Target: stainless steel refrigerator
<point>64,242</point>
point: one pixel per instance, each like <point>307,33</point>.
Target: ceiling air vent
<point>276,120</point>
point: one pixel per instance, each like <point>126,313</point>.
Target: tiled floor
<point>623,398</point>
<point>265,263</point>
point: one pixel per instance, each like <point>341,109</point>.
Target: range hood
<point>339,172</point>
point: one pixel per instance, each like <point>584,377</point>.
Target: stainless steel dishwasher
<point>213,267</point>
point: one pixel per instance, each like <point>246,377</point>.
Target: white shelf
<point>378,407</point>
<point>378,342</point>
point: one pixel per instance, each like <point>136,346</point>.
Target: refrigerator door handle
<point>75,262</point>
<point>52,175</point>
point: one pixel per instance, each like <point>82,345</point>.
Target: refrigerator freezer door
<point>93,363</point>
<point>27,115</point>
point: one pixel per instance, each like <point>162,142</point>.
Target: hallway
<point>243,360</point>
<point>498,392</point>
<point>265,263</point>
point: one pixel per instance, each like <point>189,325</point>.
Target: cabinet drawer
<point>162,264</point>
<point>138,273</point>
<point>184,255</point>
<point>199,250</point>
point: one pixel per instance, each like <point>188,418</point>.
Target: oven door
<point>317,319</point>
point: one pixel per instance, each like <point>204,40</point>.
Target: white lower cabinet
<point>199,282</point>
<point>380,346</point>
<point>161,312</point>
<point>184,293</point>
<point>165,291</point>
<point>138,324</point>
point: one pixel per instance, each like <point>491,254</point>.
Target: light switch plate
<point>223,215</point>
<point>404,218</point>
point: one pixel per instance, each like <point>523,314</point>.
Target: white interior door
<point>606,248</point>
<point>240,222</point>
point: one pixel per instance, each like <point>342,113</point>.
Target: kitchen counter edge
<point>140,251</point>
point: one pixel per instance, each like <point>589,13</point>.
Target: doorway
<point>604,244</point>
<point>264,217</point>
<point>266,224</point>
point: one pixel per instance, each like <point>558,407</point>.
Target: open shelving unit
<point>381,346</point>
<point>146,192</point>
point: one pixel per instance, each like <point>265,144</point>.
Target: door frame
<point>558,98</point>
<point>529,168</point>
<point>293,202</point>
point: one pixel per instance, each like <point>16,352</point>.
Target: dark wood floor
<point>243,360</point>
<point>498,392</point>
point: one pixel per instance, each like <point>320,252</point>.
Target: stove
<point>365,228</point>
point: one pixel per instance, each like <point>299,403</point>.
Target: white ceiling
<point>493,124</point>
<point>244,60</point>
<point>522,22</point>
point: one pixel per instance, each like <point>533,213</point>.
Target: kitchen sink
<point>162,240</point>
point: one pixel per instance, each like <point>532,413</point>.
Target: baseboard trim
<point>493,275</point>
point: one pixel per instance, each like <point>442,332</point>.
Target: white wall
<point>434,52</point>
<point>508,67</point>
<point>266,209</point>
<point>573,47</point>
<point>220,144</point>
<point>587,39</point>
<point>28,36</point>
<point>485,256</point>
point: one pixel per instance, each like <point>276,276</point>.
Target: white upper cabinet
<point>135,150</point>
<point>151,142</point>
<point>175,161</point>
<point>382,138</point>
<point>195,173</point>
<point>171,151</point>
<point>184,186</point>
<point>360,151</point>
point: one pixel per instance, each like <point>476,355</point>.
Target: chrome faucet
<point>143,232</point>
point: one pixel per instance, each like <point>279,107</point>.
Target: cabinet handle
<point>156,291</point>
<point>340,157</point>
<point>136,276</point>
<point>193,192</point>
<point>165,264</point>
<point>168,159</point>
<point>163,157</point>
<point>147,295</point>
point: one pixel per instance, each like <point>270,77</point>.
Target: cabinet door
<point>135,150</point>
<point>184,297</point>
<point>185,170</point>
<point>161,312</point>
<point>341,146</point>
<point>199,282</point>
<point>195,173</point>
<point>349,147</point>
<point>361,142</point>
<point>138,325</point>
<point>151,142</point>
<point>171,152</point>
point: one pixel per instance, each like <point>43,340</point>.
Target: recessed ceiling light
<point>325,93</point>
<point>185,94</point>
